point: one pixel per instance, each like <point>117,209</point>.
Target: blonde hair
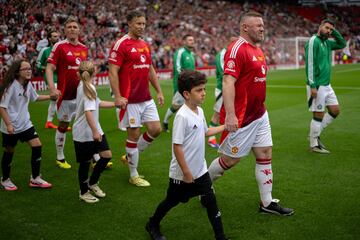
<point>86,71</point>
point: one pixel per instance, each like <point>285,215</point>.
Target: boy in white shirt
<point>188,170</point>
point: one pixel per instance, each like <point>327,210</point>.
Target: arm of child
<point>106,104</point>
<point>179,154</point>
<point>214,130</point>
<point>5,116</point>
<point>92,124</point>
<point>43,97</point>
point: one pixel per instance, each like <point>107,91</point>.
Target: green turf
<point>323,189</point>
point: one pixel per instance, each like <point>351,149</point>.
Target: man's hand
<point>54,94</point>
<point>188,177</point>
<point>160,98</point>
<point>313,93</point>
<point>10,129</point>
<point>231,123</point>
<point>121,102</point>
<point>97,137</point>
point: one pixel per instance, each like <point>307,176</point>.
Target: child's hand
<point>97,137</point>
<point>10,129</point>
<point>188,177</point>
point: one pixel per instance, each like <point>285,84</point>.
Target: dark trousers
<point>179,191</point>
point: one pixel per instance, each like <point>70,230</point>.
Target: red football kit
<point>133,56</point>
<point>67,57</point>
<point>246,63</point>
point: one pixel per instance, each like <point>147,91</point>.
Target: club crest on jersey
<point>132,120</point>
<point>231,64</point>
<point>234,150</point>
<point>142,58</point>
<point>319,106</point>
<point>113,55</point>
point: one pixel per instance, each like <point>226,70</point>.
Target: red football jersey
<point>133,56</point>
<point>67,57</point>
<point>246,63</point>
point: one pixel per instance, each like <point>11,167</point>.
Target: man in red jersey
<point>130,69</point>
<point>243,112</point>
<point>65,58</point>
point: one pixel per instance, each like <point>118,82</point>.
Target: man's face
<point>190,42</point>
<point>54,38</point>
<point>325,30</point>
<point>254,27</point>
<point>137,26</point>
<point>72,30</point>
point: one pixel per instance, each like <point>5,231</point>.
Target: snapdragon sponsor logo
<point>141,66</point>
<point>259,79</point>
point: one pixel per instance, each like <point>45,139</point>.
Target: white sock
<point>315,130</point>
<point>264,178</point>
<point>60,143</point>
<point>132,154</point>
<point>96,157</point>
<point>216,170</point>
<point>144,141</point>
<point>51,111</point>
<point>326,120</point>
<point>168,114</point>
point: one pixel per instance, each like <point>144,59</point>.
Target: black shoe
<point>154,231</point>
<point>320,144</point>
<point>275,208</point>
<point>165,127</point>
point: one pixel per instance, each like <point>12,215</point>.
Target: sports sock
<point>60,138</point>
<point>83,174</point>
<point>326,120</point>
<point>132,153</point>
<point>51,111</point>
<point>144,141</point>
<point>315,130</point>
<point>6,164</point>
<point>264,178</point>
<point>217,168</point>
<point>96,157</point>
<point>35,161</point>
<point>98,169</point>
<point>170,111</point>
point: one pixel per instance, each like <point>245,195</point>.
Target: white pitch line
<point>347,70</point>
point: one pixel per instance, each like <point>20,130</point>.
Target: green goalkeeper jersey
<point>318,58</point>
<point>183,59</point>
<point>41,62</point>
<point>219,61</point>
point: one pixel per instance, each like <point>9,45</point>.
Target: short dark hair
<point>188,79</point>
<point>50,31</point>
<point>186,36</point>
<point>134,14</point>
<point>250,14</point>
<point>327,21</point>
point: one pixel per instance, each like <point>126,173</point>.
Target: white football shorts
<point>67,110</point>
<point>218,100</point>
<point>325,97</point>
<point>138,113</point>
<point>257,134</point>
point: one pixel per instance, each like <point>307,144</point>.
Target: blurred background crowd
<point>23,26</point>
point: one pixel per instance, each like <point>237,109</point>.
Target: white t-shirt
<point>189,130</point>
<point>17,106</point>
<point>81,129</point>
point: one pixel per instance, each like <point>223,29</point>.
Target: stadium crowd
<point>23,26</point>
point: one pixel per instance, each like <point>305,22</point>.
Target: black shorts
<point>10,140</point>
<point>85,150</point>
<point>183,191</point>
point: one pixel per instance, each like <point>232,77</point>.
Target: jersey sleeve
<point>312,52</point>
<point>117,55</point>
<point>179,127</point>
<point>233,60</point>
<point>54,55</point>
<point>33,96</point>
<point>339,41</point>
<point>5,99</point>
